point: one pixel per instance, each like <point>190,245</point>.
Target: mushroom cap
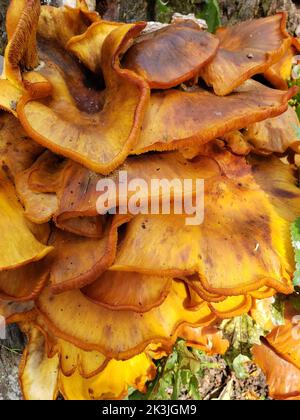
<point>98,139</point>
<point>246,49</point>
<point>91,327</point>
<point>176,119</point>
<point>186,50</point>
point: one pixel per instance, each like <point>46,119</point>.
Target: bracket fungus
<point>102,292</point>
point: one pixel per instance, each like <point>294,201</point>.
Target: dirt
<point>223,384</point>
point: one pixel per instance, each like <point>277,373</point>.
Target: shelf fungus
<point>97,116</point>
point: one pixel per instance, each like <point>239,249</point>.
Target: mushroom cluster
<point>102,296</point>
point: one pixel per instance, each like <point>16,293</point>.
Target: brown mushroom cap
<point>129,291</point>
<point>78,261</point>
<point>25,283</point>
<point>246,49</point>
<point>98,137</point>
<point>21,26</point>
<point>172,55</point>
<point>177,119</point>
<point>235,201</point>
<point>279,358</point>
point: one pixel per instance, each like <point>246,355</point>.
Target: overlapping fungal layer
<point>278,355</point>
<point>99,296</point>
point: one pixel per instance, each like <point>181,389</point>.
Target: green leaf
<point>163,6</point>
<point>295,299</point>
<point>295,101</point>
<point>278,310</point>
<point>242,332</point>
<point>211,13</point>
<point>298,111</point>
<point>239,365</point>
<point>194,388</point>
<point>180,372</point>
<point>295,231</point>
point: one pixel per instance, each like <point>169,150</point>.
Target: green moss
<point>165,9</point>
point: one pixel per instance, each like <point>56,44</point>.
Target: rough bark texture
<point>165,10</point>
<point>11,348</point>
<point>123,10</point>
<point>128,10</point>
<point>3,7</point>
<point>234,11</point>
<point>10,354</point>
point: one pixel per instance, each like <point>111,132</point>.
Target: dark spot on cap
<point>283,193</point>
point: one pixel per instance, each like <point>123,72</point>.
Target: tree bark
<point>234,11</point>
<point>123,10</point>
<point>129,10</point>
<point>3,8</point>
<point>10,354</point>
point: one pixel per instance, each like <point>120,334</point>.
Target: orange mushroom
<point>21,52</point>
<point>187,50</point>
<point>75,318</point>
<point>208,339</point>
<point>18,152</point>
<point>78,261</point>
<point>246,49</point>
<point>177,119</point>
<point>98,140</point>
<point>16,232</point>
<point>235,207</point>
<point>273,135</point>
<point>279,358</point>
<point>279,74</point>
<point>24,283</point>
<point>129,291</point>
<point>100,295</point>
